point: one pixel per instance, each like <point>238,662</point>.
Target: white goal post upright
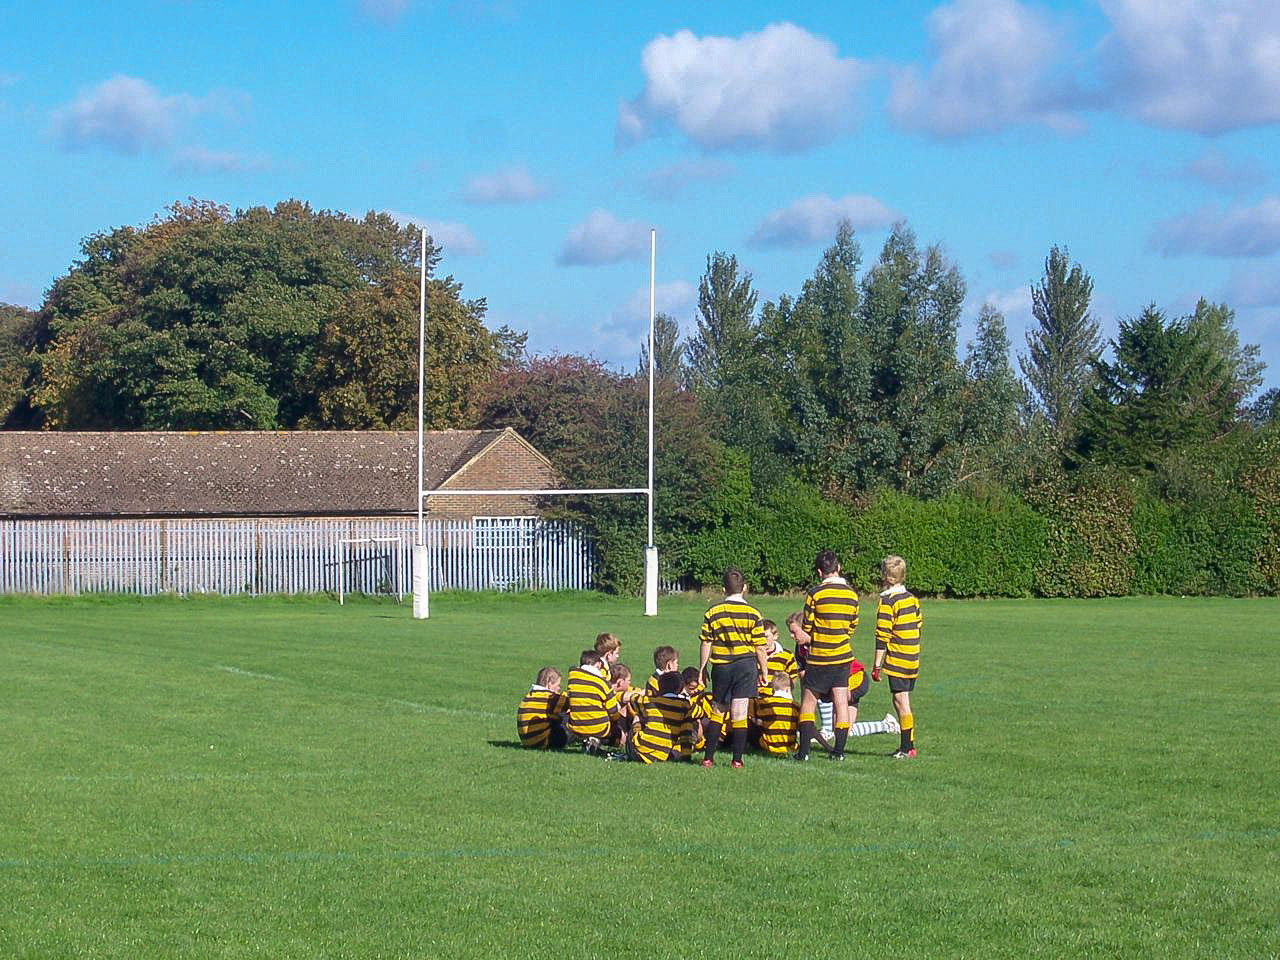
<point>421,586</point>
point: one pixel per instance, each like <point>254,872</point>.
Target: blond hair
<point>548,676</point>
<point>893,569</point>
<point>780,681</point>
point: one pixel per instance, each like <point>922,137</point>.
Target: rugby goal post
<point>396,580</point>
<point>421,572</point>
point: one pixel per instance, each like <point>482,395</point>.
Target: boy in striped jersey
<point>780,659</point>
<point>704,711</point>
<point>830,617</point>
<point>664,729</point>
<point>665,660</point>
<point>732,642</point>
<point>775,713</point>
<point>594,714</point>
<point>898,626</point>
<point>540,716</point>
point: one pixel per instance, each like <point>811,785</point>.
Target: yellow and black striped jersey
<point>898,626</point>
<point>830,617</point>
<point>651,685</point>
<point>665,728</point>
<point>592,704</point>
<point>733,629</point>
<point>782,660</point>
<point>538,712</point>
<point>777,718</point>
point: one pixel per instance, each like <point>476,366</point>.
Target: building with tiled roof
<point>353,473</point>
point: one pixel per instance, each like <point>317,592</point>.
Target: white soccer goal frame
<point>421,572</point>
<point>397,566</point>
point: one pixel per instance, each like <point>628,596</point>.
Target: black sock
<point>906,740</point>
<point>842,734</point>
<point>806,734</point>
<point>739,743</point>
<point>713,740</point>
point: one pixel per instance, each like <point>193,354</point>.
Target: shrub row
<point>1104,537</point>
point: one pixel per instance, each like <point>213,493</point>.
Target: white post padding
<point>419,582</point>
<point>650,581</point>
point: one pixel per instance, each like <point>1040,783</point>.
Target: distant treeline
<point>846,415</point>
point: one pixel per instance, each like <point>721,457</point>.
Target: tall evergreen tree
<point>1214,325</point>
<point>1063,345</point>
<point>1167,389</point>
<point>990,408</point>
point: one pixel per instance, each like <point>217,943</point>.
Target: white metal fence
<point>283,556</point>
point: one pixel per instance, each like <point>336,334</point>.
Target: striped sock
<point>908,723</point>
<point>825,711</point>
<point>864,728</point>
<point>739,739</point>
<point>805,735</point>
<point>842,734</point>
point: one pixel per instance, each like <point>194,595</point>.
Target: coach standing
<point>732,641</point>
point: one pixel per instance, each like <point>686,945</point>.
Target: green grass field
<point>291,778</point>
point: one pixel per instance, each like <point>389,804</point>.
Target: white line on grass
<point>246,673</point>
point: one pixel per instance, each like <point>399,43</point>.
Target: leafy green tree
<point>258,319</point>
<point>991,398</point>
<point>20,333</point>
<point>1063,345</point>
<point>592,423</point>
<point>668,351</point>
<point>911,304</point>
<point>1168,389</point>
<point>1213,324</point>
<point>726,367</point>
<point>1266,409</point>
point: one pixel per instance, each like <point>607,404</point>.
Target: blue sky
<point>540,141</point>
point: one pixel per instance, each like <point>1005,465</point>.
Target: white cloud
<point>204,160</point>
<point>456,238</point>
<point>1239,232</point>
<point>815,218</point>
<point>513,185</point>
<point>996,63</point>
<point>603,238</point>
<point>1204,65</point>
<point>384,11</point>
<point>127,114</point>
<point>631,319</point>
<point>673,180</point>
<point>1215,169</point>
<point>781,88</point>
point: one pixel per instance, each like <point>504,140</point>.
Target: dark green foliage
<point>1063,345</point>
<point>20,333</point>
<point>668,351</point>
<point>260,319</point>
<point>956,546</point>
<point>1168,388</point>
<point>1089,541</point>
<point>1200,548</point>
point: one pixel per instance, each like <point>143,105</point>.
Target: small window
<point>503,533</point>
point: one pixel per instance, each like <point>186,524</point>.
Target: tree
<point>990,406</point>
<point>725,362</point>
<point>20,332</point>
<point>911,312</point>
<point>1168,388</point>
<point>592,424</point>
<point>1062,346</point>
<point>1213,324</point>
<point>1266,409</point>
<point>259,319</point>
<point>668,351</point>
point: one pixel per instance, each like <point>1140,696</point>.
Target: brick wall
<point>508,464</point>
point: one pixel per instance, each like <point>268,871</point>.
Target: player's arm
<point>704,651</point>
<point>884,630</point>
<point>762,651</point>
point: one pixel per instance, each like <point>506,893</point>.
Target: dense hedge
<point>1105,535</point>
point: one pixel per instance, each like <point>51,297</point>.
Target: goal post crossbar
<point>398,563</point>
